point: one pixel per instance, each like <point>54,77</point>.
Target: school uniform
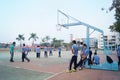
<point>59,51</point>
<point>11,52</point>
<point>74,57</point>
<point>96,59</point>
<point>50,49</point>
<point>83,60</point>
<point>118,54</point>
<point>24,54</point>
<point>38,52</point>
<point>45,52</point>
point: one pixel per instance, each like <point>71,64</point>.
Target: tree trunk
<point>20,43</point>
<point>33,43</point>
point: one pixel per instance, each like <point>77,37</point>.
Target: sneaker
<point>68,71</point>
<point>11,60</point>
<point>28,60</point>
<point>80,68</point>
<point>73,70</point>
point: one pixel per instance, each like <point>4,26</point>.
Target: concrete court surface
<point>51,68</point>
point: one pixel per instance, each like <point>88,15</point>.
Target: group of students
<point>85,52</point>
<point>46,49</point>
<point>95,59</point>
<point>84,55</point>
<point>25,51</point>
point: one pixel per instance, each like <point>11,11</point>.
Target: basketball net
<point>58,27</point>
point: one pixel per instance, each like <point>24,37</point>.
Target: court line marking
<point>55,75</point>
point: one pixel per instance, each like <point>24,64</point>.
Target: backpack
<point>109,59</point>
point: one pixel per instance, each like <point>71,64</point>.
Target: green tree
<point>116,25</point>
<point>56,43</point>
<point>34,37</point>
<point>47,38</point>
<point>20,38</point>
<point>43,40</point>
<point>53,42</point>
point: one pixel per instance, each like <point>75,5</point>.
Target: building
<point>4,45</point>
<point>93,41</point>
<point>71,37</point>
<point>111,41</point>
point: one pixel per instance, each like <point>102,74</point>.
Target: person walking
<point>12,46</point>
<point>45,51</point>
<point>74,57</point>
<point>59,51</point>
<point>25,53</point>
<point>50,51</point>
<point>38,52</point>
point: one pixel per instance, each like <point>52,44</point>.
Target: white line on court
<point>55,75</point>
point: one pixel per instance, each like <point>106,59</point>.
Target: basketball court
<point>51,68</point>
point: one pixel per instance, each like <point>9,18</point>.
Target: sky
<point>40,17</point>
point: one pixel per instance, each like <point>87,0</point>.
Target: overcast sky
<point>40,17</point>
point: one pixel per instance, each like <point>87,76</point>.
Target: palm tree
<point>47,38</point>
<point>34,37</point>
<point>20,38</point>
<point>43,40</point>
<point>54,41</point>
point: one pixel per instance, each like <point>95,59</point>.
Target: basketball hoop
<point>58,27</point>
